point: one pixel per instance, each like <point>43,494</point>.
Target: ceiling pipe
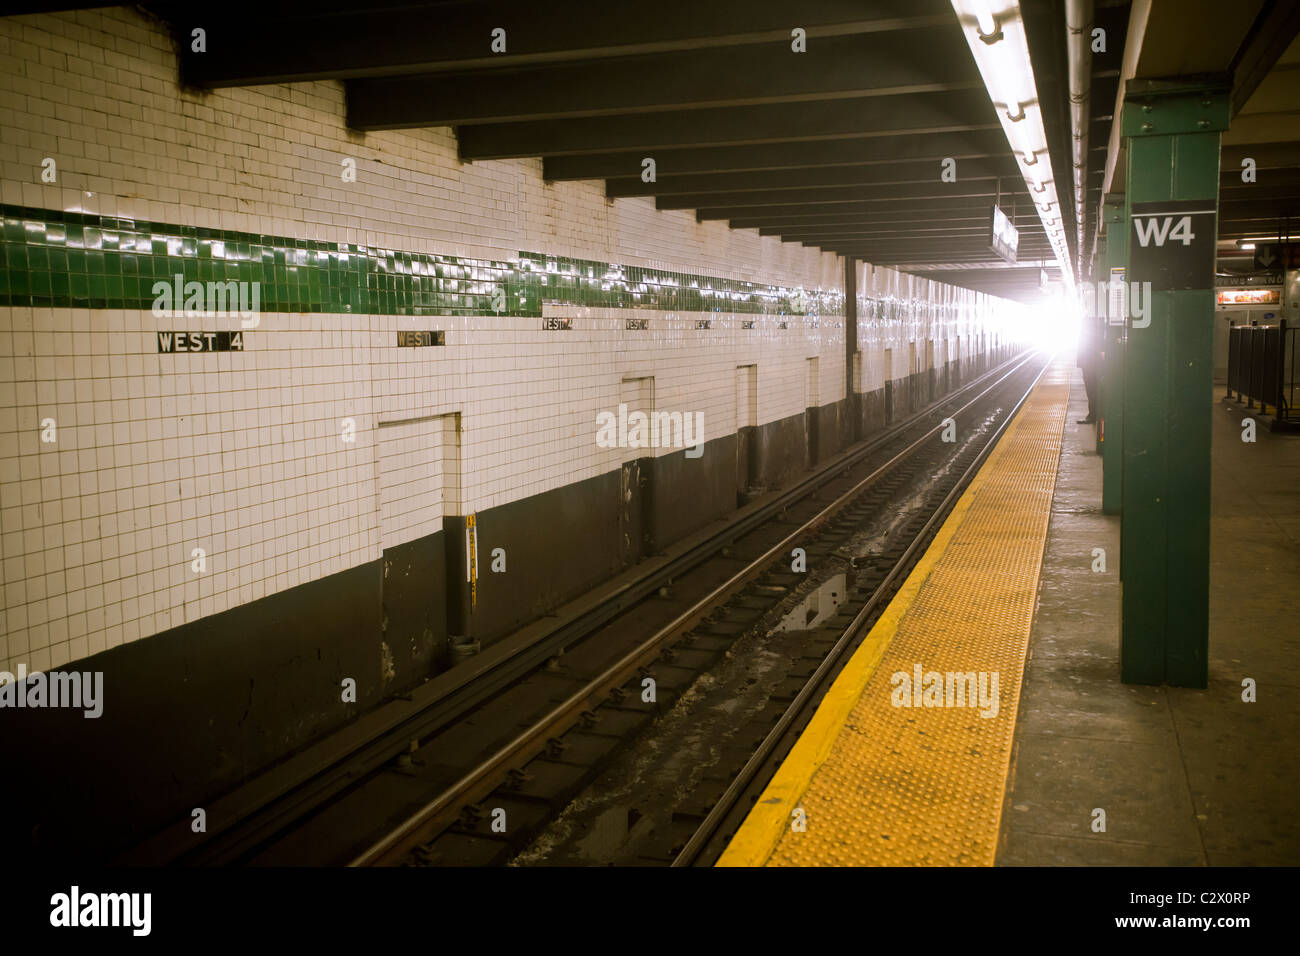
<point>1135,33</point>
<point>1138,16</point>
<point>1078,25</point>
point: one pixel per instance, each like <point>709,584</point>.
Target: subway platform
<point>1036,754</point>
<point>581,444</point>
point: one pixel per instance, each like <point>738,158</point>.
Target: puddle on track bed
<point>816,607</point>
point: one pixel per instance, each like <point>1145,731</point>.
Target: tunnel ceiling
<point>839,147</point>
<point>1250,47</point>
<point>1265,128</point>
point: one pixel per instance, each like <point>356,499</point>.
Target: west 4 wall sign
<point>1171,244</point>
<point>201,341</point>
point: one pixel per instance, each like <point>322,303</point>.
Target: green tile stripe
<point>75,260</point>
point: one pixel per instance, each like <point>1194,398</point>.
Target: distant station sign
<point>1171,244</point>
<point>1249,296</point>
<point>1274,256</point>
<point>1006,238</point>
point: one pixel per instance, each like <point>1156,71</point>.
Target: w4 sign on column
<point>1172,243</point>
<point>1158,230</point>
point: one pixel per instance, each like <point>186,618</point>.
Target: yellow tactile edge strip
<point>770,819</point>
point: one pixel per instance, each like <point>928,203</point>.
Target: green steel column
<point>1172,129</point>
<point>1114,261</point>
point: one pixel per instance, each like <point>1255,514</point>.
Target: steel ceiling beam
<point>249,43</point>
<point>868,229</point>
<point>1276,27</point>
<point>985,189</point>
<point>842,68</point>
<point>905,173</point>
<point>748,125</point>
<point>856,232</point>
<point>878,210</point>
<point>979,143</point>
<point>812,217</point>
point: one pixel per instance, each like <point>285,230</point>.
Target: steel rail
<point>486,776</point>
<point>703,834</point>
<point>449,696</point>
<point>478,679</point>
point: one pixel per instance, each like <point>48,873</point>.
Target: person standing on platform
<point>1089,359</point>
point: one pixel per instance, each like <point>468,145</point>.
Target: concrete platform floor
<point>1185,777</point>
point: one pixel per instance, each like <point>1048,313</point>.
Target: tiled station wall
<point>327,558</point>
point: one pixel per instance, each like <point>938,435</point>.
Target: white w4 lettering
<point>1159,229</point>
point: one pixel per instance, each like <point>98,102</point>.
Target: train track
<point>506,746</point>
<point>872,543</point>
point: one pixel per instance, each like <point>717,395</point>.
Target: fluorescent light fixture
<point>1243,244</point>
<point>995,33</point>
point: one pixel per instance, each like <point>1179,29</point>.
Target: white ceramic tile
<point>241,455</point>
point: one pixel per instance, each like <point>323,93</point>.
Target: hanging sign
<point>1006,238</point>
